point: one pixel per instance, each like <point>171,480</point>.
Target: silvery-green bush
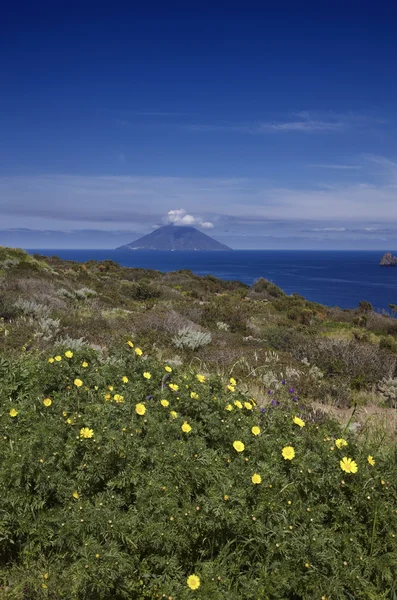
<point>191,339</point>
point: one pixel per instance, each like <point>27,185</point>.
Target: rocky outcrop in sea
<point>388,260</point>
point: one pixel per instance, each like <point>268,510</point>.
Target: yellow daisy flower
<point>110,388</point>
<point>58,358</point>
<point>194,395</point>
<point>107,396</point>
<point>348,465</point>
<point>164,403</point>
<point>238,404</point>
<point>238,446</point>
<point>200,378</point>
<point>69,421</point>
<point>47,401</point>
<point>256,478</point>
<point>13,412</point>
<point>288,453</point>
<point>299,422</point>
<point>130,344</point>
<point>340,443</point>
<point>75,495</point>
<point>168,369</point>
<point>232,381</point>
<point>193,582</point>
<point>229,407</point>
<point>371,460</point>
<point>174,387</point>
<point>247,405</point>
<point>124,379</point>
<point>51,360</point>
<point>147,375</point>
<point>138,352</point>
<point>186,427</point>
<point>84,364</point>
<point>255,430</point>
<point>118,398</point>
<point>78,382</point>
<point>173,414</point>
<point>231,388</point>
<point>86,432</point>
<point>69,354</point>
<point>140,409</point>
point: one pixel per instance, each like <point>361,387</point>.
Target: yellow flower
<point>47,401</point>
<point>51,360</point>
<point>147,375</point>
<point>173,414</point>
<point>78,382</point>
<point>168,369</point>
<point>371,460</point>
<point>69,421</point>
<point>288,453</point>
<point>164,403</point>
<point>138,352</point>
<point>107,396</point>
<point>340,443</point>
<point>255,430</point>
<point>85,432</point>
<point>58,358</point>
<point>229,407</point>
<point>200,378</point>
<point>110,388</point>
<point>186,427</point>
<point>174,387</point>
<point>256,478</point>
<point>238,404</point>
<point>238,446</point>
<point>130,344</point>
<point>348,465</point>
<point>13,412</point>
<point>118,398</point>
<point>193,582</point>
<point>64,413</point>
<point>299,422</point>
<point>84,364</point>
<point>69,354</point>
<point>75,495</point>
<point>233,381</point>
<point>194,395</point>
<point>140,409</point>
<point>124,379</point>
<point>231,388</point>
<point>248,406</point>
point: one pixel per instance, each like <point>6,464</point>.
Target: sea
<point>333,278</point>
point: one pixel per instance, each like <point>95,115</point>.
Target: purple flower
<point>263,410</point>
<point>149,397</point>
<point>269,392</point>
<point>275,403</point>
<point>295,399</point>
<point>291,390</point>
<point>283,382</point>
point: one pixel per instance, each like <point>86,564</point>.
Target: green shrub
<point>139,506</point>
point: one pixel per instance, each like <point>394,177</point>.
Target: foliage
<point>107,493</point>
<point>190,338</point>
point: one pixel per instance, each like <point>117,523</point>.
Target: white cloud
<point>206,225</point>
<point>179,217</point>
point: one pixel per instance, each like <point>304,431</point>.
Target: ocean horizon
<point>331,277</point>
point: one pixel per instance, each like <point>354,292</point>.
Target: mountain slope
<point>171,237</point>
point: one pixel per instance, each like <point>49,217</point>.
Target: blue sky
<point>277,125</point>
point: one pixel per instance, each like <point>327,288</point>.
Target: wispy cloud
<point>340,167</point>
<point>264,127</point>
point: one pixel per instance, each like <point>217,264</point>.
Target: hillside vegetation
<point>167,436</point>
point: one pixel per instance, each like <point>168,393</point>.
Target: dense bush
<point>121,478</point>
